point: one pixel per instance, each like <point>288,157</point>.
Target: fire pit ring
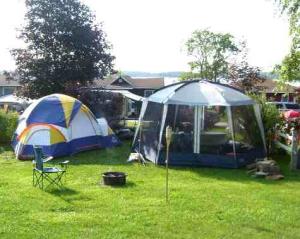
<point>114,178</point>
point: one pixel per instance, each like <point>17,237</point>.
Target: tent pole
<point>163,121</point>
<point>175,116</point>
<point>195,129</point>
<point>168,141</point>
<point>198,116</point>
<point>229,114</point>
<point>142,113</point>
<point>260,125</point>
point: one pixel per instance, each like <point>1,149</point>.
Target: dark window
<point>292,106</point>
<point>8,90</point>
<point>147,93</point>
<point>279,106</point>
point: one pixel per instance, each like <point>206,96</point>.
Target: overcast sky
<point>148,35</point>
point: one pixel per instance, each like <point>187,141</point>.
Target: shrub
<point>270,114</point>
<point>8,124</point>
<point>271,117</point>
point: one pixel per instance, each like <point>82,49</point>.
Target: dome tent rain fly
<point>213,125</point>
<point>62,125</point>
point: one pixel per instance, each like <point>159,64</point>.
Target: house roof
<point>272,86</point>
<point>5,82</point>
<point>127,82</point>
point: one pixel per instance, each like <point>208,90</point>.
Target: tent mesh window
<point>149,131</point>
<point>246,131</point>
<point>201,135</point>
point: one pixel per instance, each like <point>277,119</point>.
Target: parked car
<point>285,106</point>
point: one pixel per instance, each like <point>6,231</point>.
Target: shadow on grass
<point>64,191</point>
<point>106,156</point>
<point>129,184</point>
<point>67,194</point>
<point>5,147</point>
<point>241,175</point>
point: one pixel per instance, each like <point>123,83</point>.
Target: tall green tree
<point>292,9</point>
<point>65,48</point>
<point>289,69</point>
<point>210,53</point>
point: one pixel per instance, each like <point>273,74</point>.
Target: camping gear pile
<point>213,125</point>
<point>62,126</point>
<point>267,169</point>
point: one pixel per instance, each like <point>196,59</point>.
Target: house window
<point>284,98</point>
<point>8,90</point>
<point>147,93</point>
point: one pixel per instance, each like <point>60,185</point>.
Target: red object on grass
<point>291,114</point>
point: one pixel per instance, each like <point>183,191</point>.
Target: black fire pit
<point>114,178</point>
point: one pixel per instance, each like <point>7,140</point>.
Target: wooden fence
<point>291,146</point>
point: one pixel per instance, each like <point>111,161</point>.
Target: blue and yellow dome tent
<point>62,125</point>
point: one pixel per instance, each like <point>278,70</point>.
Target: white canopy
<point>125,93</point>
<point>13,99</point>
<point>129,95</point>
<point>200,92</point>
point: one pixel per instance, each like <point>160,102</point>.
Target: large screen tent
<point>213,125</point>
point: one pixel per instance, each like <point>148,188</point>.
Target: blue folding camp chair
<point>53,175</point>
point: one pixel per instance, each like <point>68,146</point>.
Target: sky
<point>149,35</point>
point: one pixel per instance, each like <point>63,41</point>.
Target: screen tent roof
<point>200,92</point>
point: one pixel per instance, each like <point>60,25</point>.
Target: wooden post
<point>294,151</point>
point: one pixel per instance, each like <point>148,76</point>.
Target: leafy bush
<point>8,124</point>
<point>271,116</point>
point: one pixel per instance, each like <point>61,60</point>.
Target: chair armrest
<point>64,162</point>
<point>45,160</point>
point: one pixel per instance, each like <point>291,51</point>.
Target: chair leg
<point>35,178</point>
<point>38,179</point>
<point>42,180</point>
<point>65,176</point>
<point>56,180</point>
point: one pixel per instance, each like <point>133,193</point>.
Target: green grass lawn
<point>204,202</point>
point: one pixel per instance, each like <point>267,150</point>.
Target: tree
<point>65,48</point>
<point>103,104</point>
<point>244,76</point>
<point>292,9</point>
<point>211,52</point>
<point>289,69</point>
<point>189,75</point>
